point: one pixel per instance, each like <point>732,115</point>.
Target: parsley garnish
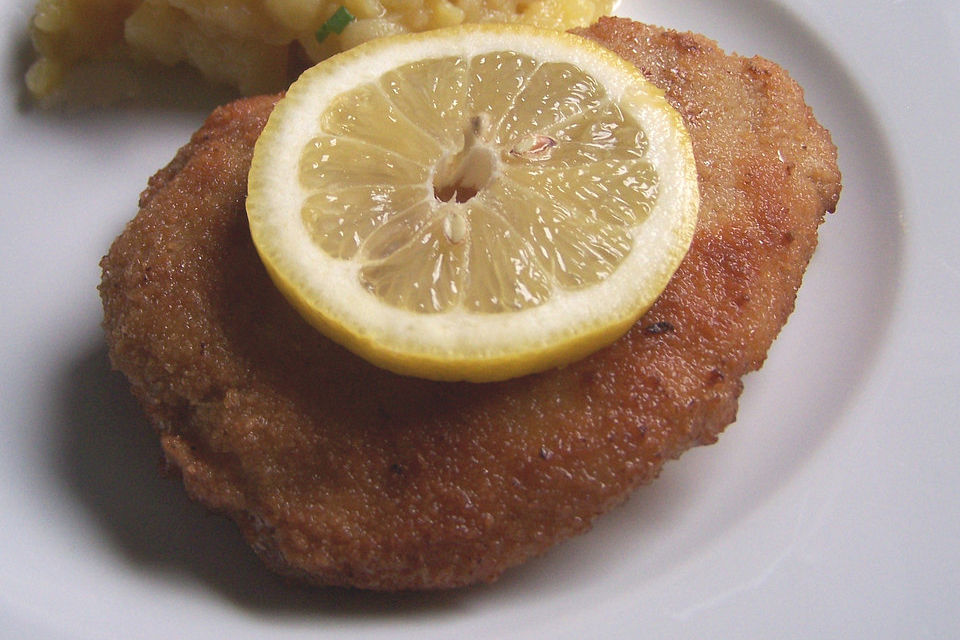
<point>336,24</point>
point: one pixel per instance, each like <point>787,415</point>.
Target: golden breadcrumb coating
<point>341,473</point>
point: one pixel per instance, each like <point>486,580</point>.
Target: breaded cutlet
<point>341,473</point>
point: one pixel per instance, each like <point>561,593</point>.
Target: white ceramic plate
<point>829,509</point>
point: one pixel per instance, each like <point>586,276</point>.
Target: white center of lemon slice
<point>474,203</point>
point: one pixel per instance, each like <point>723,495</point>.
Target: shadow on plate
<point>109,458</point>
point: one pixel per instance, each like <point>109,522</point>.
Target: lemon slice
<point>474,203</point>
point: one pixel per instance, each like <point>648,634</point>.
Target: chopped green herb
<point>336,24</point>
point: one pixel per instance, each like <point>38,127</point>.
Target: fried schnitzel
<point>341,473</point>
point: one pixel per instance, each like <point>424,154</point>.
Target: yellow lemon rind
<point>441,346</point>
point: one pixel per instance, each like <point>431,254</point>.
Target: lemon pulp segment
<point>477,210</point>
<point>539,219</point>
